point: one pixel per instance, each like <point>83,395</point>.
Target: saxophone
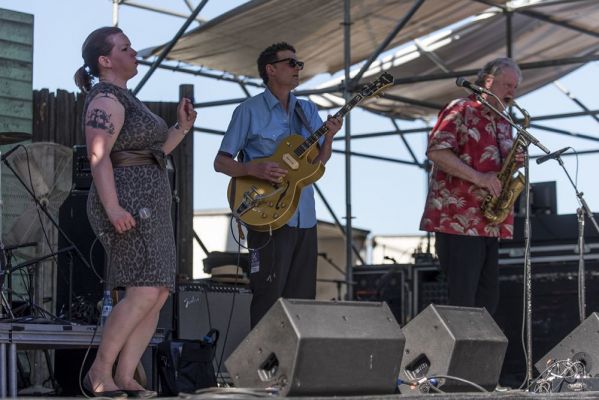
<point>497,208</point>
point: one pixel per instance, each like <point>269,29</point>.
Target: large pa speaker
<point>582,344</point>
<point>78,288</point>
<point>452,341</point>
<point>308,347</point>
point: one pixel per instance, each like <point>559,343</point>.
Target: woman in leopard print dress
<point>141,252</point>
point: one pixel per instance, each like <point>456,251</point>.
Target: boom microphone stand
<point>526,139</point>
<point>583,210</point>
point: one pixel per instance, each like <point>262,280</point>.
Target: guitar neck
<point>314,137</point>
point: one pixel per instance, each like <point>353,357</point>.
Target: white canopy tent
<point>467,47</point>
<point>232,41</point>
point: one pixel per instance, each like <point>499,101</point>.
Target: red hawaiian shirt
<point>481,141</point>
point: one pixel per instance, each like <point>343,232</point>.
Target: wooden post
<point>184,221</point>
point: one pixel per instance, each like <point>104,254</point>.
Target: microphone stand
<point>527,139</point>
<point>37,309</point>
<point>527,278</point>
<point>523,132</point>
<point>583,210</point>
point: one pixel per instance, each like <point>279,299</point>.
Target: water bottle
<point>106,307</point>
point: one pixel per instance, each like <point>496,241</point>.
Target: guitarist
<point>284,264</point>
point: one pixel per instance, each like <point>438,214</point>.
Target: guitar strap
<point>300,113</point>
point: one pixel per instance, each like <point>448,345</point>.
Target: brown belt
<point>131,158</point>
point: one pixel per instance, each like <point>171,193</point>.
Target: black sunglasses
<point>291,61</point>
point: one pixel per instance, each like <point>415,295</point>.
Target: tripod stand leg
<point>3,370</point>
<point>6,306</point>
<point>12,369</point>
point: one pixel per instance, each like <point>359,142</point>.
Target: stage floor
<point>512,395</point>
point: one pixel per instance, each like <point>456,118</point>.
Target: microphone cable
<point>99,320</point>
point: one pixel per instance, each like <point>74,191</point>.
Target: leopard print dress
<point>144,256</point>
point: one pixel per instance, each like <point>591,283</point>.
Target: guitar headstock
<point>373,88</point>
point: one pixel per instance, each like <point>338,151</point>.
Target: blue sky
<point>386,198</point>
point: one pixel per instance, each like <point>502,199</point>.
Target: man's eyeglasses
<point>291,61</point>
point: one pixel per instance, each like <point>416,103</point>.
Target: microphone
<point>392,259</point>
<point>143,214</point>
<point>552,156</point>
<point>462,82</point>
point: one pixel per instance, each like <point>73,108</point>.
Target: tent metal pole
<point>564,24</point>
<point>546,3</point>
<point>348,210</point>
<point>384,133</point>
<point>170,46</point>
<point>565,115</point>
<point>432,56</point>
<point>189,5</point>
<point>407,100</point>
<point>564,132</point>
<point>131,3</point>
<point>219,102</point>
<point>406,18</point>
<point>245,89</point>
<point>218,77</point>
<point>115,12</point>
<point>574,98</point>
<point>337,222</point>
<point>403,139</point>
<point>523,66</point>
<point>379,158</point>
<point>542,17</point>
<point>508,33</point>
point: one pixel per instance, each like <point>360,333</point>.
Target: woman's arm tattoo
<point>98,118</point>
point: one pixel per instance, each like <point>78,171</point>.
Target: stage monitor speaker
<point>461,342</point>
<point>582,344</point>
<point>203,306</point>
<point>319,348</point>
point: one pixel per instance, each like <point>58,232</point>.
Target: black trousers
<point>286,267</point>
<point>470,263</point>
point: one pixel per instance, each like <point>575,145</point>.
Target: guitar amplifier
<point>554,309</point>
<point>204,304</point>
<point>82,173</point>
<point>385,282</point>
<point>429,286</point>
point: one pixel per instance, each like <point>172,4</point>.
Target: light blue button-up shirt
<point>256,128</point>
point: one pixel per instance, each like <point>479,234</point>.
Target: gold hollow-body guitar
<point>263,205</point>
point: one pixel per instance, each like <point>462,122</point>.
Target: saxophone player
<point>467,148</point>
